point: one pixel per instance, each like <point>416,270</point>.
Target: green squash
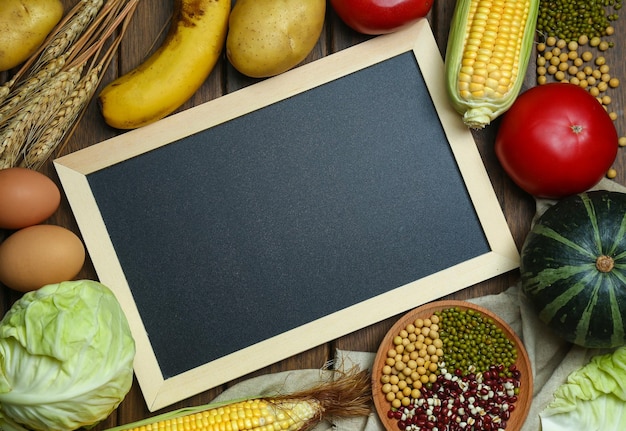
<point>573,268</point>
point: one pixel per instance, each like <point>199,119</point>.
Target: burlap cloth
<point>552,359</point>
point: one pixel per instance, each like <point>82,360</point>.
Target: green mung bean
<point>571,19</point>
<point>472,340</point>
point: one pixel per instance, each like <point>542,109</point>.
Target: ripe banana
<point>170,76</point>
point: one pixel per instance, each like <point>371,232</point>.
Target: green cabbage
<point>593,398</point>
<point>66,358</point>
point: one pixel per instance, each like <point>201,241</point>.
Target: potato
<point>268,37</point>
<point>24,25</point>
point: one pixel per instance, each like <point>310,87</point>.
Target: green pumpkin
<point>573,268</point>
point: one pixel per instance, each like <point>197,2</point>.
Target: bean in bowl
<point>451,365</point>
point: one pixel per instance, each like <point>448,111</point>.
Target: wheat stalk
<point>51,94</point>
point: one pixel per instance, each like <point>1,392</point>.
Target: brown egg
<point>38,255</point>
<point>27,197</point>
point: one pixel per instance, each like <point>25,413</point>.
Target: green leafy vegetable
<point>593,398</point>
<point>66,357</point>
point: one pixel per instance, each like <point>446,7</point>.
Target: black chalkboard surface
<point>293,220</point>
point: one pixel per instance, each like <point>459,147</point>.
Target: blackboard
<point>285,221</point>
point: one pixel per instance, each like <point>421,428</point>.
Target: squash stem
<point>605,263</point>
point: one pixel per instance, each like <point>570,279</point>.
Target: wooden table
<point>518,207</point>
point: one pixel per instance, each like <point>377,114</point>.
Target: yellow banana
<point>170,76</point>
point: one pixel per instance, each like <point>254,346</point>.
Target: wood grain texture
<point>148,27</point>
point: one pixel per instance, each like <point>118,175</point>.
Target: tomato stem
<point>605,263</point>
<point>577,128</point>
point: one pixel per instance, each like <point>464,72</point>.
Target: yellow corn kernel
<point>491,11</point>
<point>491,40</point>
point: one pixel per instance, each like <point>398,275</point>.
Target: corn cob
<point>258,414</point>
<point>488,51</point>
<point>349,395</point>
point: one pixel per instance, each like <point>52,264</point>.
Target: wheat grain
<point>64,119</point>
<point>9,150</point>
<point>40,108</point>
<point>5,89</point>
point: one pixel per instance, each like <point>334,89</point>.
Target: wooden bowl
<point>524,398</point>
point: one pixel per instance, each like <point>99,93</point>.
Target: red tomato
<point>556,140</point>
<point>380,16</point>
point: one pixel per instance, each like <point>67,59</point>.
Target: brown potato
<point>268,37</point>
<point>24,25</point>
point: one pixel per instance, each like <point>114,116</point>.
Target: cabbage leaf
<point>593,398</point>
<point>66,357</point>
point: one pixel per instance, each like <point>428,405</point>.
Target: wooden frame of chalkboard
<point>287,214</point>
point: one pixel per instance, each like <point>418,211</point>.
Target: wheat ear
<point>42,144</point>
<point>61,37</point>
<point>85,13</point>
<point>50,97</point>
<point>39,109</point>
<point>30,86</point>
